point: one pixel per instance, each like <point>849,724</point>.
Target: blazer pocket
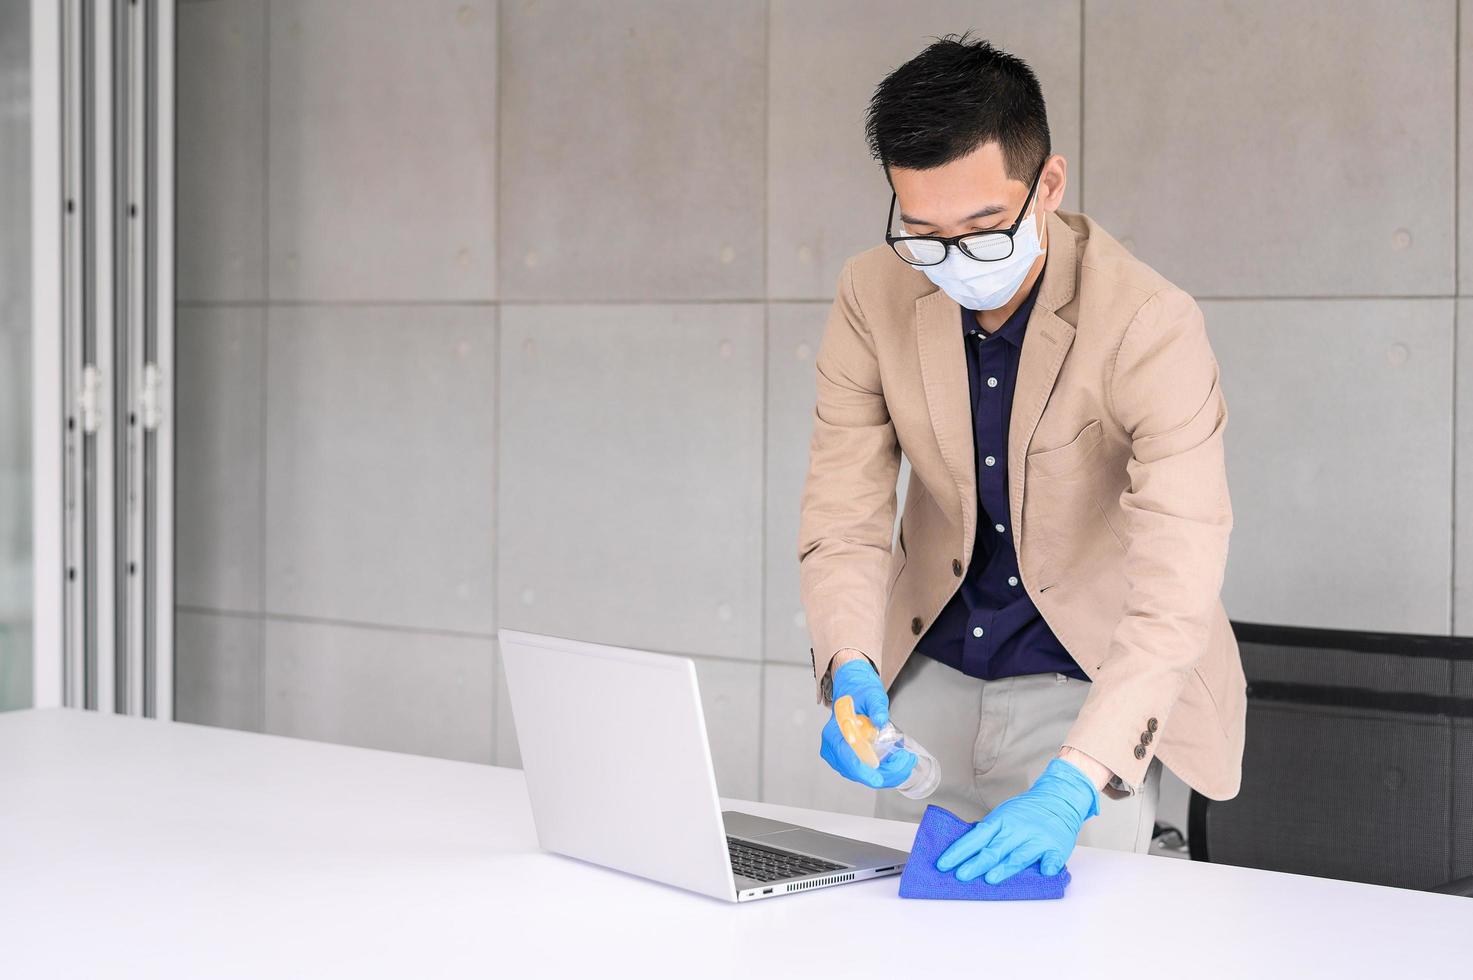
<point>1209,669</point>
<point>897,562</point>
<point>897,565</point>
<point>1053,462</point>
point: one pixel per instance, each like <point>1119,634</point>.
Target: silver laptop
<point>619,773</point>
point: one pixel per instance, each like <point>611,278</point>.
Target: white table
<point>131,847</point>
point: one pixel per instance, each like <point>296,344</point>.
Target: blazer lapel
<point>943,363</point>
<point>943,360</point>
<point>1044,347</point>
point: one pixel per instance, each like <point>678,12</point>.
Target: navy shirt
<point>991,628</point>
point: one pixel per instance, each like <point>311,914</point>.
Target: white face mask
<point>977,285</point>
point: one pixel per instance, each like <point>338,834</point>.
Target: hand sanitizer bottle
<point>872,745</point>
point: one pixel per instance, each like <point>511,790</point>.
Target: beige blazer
<point>1118,493</point>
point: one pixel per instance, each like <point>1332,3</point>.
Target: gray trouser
<point>994,738</point>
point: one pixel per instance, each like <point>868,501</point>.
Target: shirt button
<point>1012,580</point>
<point>992,382</point>
<point>999,527</point>
<point>956,566</point>
<point>990,460</point>
<point>915,626</point>
<point>977,631</point>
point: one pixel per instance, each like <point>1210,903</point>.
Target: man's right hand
<point>857,678</point>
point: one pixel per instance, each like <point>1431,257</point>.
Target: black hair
<point>950,99</point>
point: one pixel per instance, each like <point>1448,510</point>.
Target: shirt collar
<point>1015,325</point>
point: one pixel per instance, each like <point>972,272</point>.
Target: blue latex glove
<point>1040,825</point>
<point>859,680</point>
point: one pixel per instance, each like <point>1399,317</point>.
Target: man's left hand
<point>1040,825</point>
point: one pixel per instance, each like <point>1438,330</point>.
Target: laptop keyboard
<point>770,864</point>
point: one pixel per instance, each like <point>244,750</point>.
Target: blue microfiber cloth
<point>920,879</point>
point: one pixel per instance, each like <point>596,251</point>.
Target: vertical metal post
<point>159,415</point>
<point>144,358</point>
<point>108,339</point>
<point>114,285</point>
<point>79,385</point>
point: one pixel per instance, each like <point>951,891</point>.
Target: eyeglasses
<point>984,246</point>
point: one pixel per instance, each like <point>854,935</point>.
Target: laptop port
<point>767,891</point>
<point>883,870</point>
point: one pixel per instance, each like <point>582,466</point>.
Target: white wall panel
<point>426,693</point>
<point>632,150</point>
<point>631,475</point>
<point>220,438</point>
<point>1275,149</point>
<point>380,464</point>
<point>382,149</point>
<point>217,670</point>
<point>1339,455</point>
<point>220,177</point>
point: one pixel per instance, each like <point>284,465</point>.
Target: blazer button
<point>1140,751</point>
<point>956,567</point>
<point>1151,725</point>
<point>1145,738</point>
<point>915,626</point>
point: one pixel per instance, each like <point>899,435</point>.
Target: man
<point>1050,622</point>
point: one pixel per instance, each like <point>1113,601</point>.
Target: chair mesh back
<point>1358,762</point>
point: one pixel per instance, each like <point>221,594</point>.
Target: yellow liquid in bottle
<point>857,730</point>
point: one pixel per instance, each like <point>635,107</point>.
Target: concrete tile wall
<point>1326,129</point>
<point>220,172</point>
<point>381,150</point>
<point>508,312</point>
<point>338,379</point>
<point>1339,454</point>
<point>380,438</point>
<point>631,158</point>
<point>631,474</point>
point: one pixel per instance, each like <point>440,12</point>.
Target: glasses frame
<point>959,240</point>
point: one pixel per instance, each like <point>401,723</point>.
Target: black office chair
<point>1358,763</point>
